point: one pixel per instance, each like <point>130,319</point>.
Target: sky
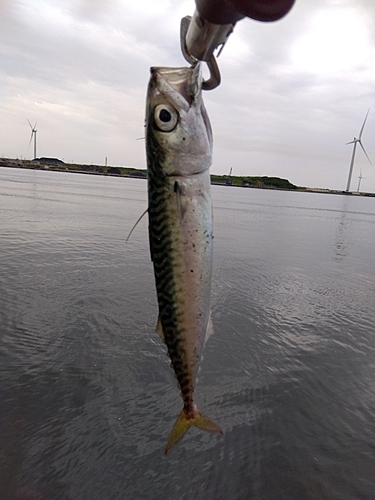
<point>293,92</point>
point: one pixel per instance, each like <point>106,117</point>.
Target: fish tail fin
<point>184,422</point>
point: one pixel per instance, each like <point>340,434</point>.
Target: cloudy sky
<point>292,94</point>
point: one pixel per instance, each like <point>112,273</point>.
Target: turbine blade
<point>35,126</point>
<point>31,138</point>
<point>351,142</point>
<point>29,123</point>
<point>363,126</point>
<point>365,152</point>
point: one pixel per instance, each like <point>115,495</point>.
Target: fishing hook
<point>215,78</point>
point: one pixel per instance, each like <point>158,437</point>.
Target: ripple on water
<point>89,397</point>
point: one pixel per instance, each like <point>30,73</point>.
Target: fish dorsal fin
<point>159,329</point>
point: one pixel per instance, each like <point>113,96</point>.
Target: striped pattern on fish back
<point>163,231</point>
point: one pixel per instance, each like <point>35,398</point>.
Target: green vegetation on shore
<point>257,182</point>
<point>56,165</point>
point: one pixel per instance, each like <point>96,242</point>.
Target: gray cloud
<point>81,70</point>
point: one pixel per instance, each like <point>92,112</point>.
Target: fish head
<point>178,131</point>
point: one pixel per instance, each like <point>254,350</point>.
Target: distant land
<point>258,182</point>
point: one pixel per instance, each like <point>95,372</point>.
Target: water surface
<point>87,394</point>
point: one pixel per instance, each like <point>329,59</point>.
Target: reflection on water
<point>88,396</point>
<point>341,238</point>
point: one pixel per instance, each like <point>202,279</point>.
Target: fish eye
<point>165,117</point>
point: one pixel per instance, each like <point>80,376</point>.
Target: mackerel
<point>179,155</point>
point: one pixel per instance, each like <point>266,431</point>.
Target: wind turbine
<point>355,142</point>
<point>360,177</point>
<point>33,133</point>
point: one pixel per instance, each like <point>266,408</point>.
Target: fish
<point>179,156</point>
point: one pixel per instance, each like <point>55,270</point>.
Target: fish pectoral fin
<point>179,194</point>
<point>183,423</point>
<point>159,329</point>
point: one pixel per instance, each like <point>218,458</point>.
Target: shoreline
<point>133,173</point>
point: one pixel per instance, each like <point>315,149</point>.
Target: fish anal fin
<point>184,422</point>
<point>159,329</point>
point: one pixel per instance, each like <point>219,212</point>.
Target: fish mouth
<point>178,82</point>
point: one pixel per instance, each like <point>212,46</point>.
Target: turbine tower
<point>355,142</point>
<point>33,133</point>
<point>360,177</point>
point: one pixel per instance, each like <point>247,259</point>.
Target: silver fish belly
<point>179,154</point>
